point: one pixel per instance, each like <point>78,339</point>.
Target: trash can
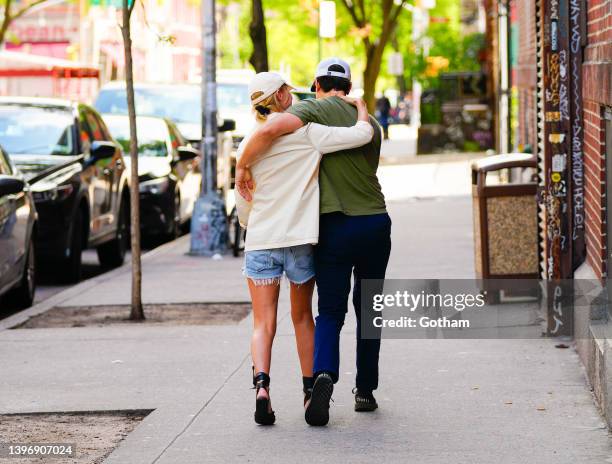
<point>505,217</point>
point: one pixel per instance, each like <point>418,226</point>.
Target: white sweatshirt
<point>285,207</point>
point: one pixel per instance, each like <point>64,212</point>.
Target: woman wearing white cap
<point>283,225</point>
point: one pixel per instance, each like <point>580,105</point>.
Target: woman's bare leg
<point>265,304</point>
<point>303,323</point>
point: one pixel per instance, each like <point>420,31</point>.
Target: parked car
<point>303,93</point>
<point>77,176</point>
<point>233,100</point>
<point>168,170</point>
<point>181,104</point>
<point>17,233</point>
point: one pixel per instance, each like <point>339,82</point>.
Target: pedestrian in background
<point>383,109</point>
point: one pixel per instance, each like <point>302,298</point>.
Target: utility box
<point>504,191</point>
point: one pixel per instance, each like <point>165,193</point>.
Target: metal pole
<point>504,91</point>
<point>209,96</point>
<point>320,40</point>
<point>417,31</point>
<point>209,221</point>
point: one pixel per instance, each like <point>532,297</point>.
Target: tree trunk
<point>257,31</point>
<point>6,21</point>
<point>370,74</point>
<point>136,313</point>
<point>374,49</point>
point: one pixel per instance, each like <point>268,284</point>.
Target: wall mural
<point>557,194</point>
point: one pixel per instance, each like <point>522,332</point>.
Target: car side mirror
<point>102,150</point>
<point>228,125</point>
<point>187,153</point>
<point>10,185</point>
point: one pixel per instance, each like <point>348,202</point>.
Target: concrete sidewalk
<point>440,400</point>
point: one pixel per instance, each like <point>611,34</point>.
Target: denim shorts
<point>266,267</point>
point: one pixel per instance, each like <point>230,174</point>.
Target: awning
<point>14,64</point>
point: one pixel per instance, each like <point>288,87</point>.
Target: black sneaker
<point>317,411</point>
<point>364,401</point>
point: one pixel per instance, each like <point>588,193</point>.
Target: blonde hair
<point>266,106</point>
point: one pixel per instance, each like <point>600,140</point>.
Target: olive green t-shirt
<point>347,178</point>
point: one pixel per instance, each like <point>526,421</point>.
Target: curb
<point>58,298</point>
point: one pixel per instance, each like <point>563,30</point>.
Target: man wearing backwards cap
<point>354,231</point>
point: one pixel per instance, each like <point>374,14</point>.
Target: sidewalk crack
<point>225,382</point>
<point>193,419</point>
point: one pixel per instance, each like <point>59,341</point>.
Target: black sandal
<point>263,411</point>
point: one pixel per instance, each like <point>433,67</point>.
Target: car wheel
<point>175,226</point>
<point>73,263</point>
<point>23,296</point>
<point>237,234</point>
<point>112,254</point>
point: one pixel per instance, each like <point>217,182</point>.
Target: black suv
<point>17,232</point>
<point>77,176</point>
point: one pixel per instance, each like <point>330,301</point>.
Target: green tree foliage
<point>10,11</point>
<point>293,42</point>
<point>292,31</point>
<point>375,22</point>
<point>447,39</point>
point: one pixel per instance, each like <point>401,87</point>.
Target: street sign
<point>327,19</point>
<point>395,65</point>
<point>427,4</point>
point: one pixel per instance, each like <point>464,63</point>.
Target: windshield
<point>151,135</point>
<point>180,103</point>
<point>233,97</point>
<point>36,130</point>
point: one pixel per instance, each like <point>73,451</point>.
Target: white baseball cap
<point>265,84</point>
<point>323,69</point>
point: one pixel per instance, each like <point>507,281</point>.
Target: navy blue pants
<point>358,245</point>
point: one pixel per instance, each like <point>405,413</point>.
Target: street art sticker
<point>557,111</point>
<point>556,138</point>
<point>564,101</point>
<point>559,162</point>
<point>552,93</point>
<point>554,10</point>
<point>559,188</point>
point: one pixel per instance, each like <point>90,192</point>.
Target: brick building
<point>597,96</point>
<point>88,32</point>
<point>525,75</point>
<point>563,79</point>
<point>596,86</point>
